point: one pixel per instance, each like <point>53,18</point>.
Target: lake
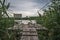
<point>25,21</point>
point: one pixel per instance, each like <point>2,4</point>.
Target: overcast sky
<point>26,7</point>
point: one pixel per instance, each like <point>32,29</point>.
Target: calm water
<point>25,21</point>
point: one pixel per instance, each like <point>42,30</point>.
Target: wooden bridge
<point>29,33</point>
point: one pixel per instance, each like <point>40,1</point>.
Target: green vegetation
<point>5,23</point>
<point>51,20</point>
<point>42,34</point>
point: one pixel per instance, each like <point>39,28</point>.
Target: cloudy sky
<point>27,7</point>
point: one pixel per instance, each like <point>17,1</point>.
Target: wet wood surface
<point>29,33</point>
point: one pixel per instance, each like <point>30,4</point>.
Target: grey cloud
<point>27,5</point>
